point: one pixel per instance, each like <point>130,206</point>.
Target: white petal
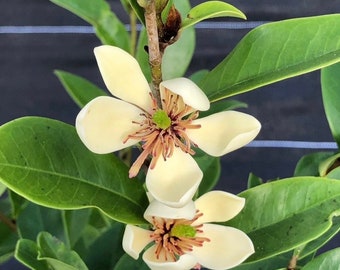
<point>185,262</point>
<point>158,209</point>
<point>227,248</point>
<point>218,206</point>
<point>123,76</point>
<point>105,122</point>
<point>223,132</point>
<point>135,239</point>
<point>192,95</point>
<point>174,181</point>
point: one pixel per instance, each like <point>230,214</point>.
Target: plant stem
<point>155,58</point>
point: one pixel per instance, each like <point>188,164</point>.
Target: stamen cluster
<point>169,246</point>
<point>157,141</point>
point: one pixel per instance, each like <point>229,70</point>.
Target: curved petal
<point>105,122</point>
<point>223,132</point>
<point>174,181</point>
<point>157,209</point>
<point>123,76</point>
<point>184,262</point>
<point>218,206</point>
<point>227,248</point>
<point>192,95</point>
<point>134,240</point>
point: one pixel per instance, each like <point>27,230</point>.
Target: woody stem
<point>155,57</point>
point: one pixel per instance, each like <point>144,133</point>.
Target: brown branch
<point>155,57</point>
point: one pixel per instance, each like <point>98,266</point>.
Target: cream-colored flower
<point>166,133</point>
<point>183,238</point>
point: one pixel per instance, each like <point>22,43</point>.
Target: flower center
<point>182,230</point>
<point>164,129</point>
<point>161,119</point>
<point>175,237</point>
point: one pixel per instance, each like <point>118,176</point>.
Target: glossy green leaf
<point>330,84</point>
<point>139,11</point>
<point>319,242</point>
<point>334,174</point>
<point>309,164</point>
<point>177,56</point>
<point>142,55</point>
<point>254,181</point>
<point>80,90</point>
<point>211,9</point>
<point>211,168</point>
<point>27,253</point>
<point>109,29</point>
<point>35,219</point>
<point>18,203</point>
<point>329,164</point>
<point>328,260</point>
<point>276,214</point>
<point>197,76</point>
<point>57,255</point>
<point>273,52</point>
<point>223,105</point>
<point>2,189</point>
<point>74,222</point>
<point>106,251</point>
<point>8,239</point>
<point>44,161</point>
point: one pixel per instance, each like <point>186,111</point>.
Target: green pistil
<point>161,119</point>
<point>182,230</point>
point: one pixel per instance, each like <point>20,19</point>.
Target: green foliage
<point>211,9</point>
<point>48,252</point>
<point>273,52</point>
<point>277,213</point>
<point>109,29</point>
<point>80,90</point>
<point>328,260</point>
<point>330,85</point>
<point>309,164</point>
<point>254,181</point>
<point>44,161</point>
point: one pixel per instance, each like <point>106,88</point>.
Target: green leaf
<point>35,218</point>
<point>109,29</point>
<point>44,161</point>
<point>80,90</point>
<point>273,52</point>
<point>57,255</point>
<point>75,222</point>
<point>211,168</point>
<point>142,56</point>
<point>328,260</point>
<point>198,75</point>
<point>177,56</point>
<point>211,9</point>
<point>27,253</point>
<point>18,203</point>
<point>330,84</point>
<point>309,164</point>
<point>223,105</point>
<point>8,239</point>
<point>316,244</point>
<point>127,262</point>
<point>277,214</point>
<point>139,11</point>
<point>2,189</point>
<point>254,181</point>
<point>329,164</point>
<point>106,251</point>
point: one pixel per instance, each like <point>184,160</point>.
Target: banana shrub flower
<point>166,133</point>
<point>183,238</point>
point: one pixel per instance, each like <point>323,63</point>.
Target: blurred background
<point>37,37</point>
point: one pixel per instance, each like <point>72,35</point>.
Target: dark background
<point>290,110</point>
